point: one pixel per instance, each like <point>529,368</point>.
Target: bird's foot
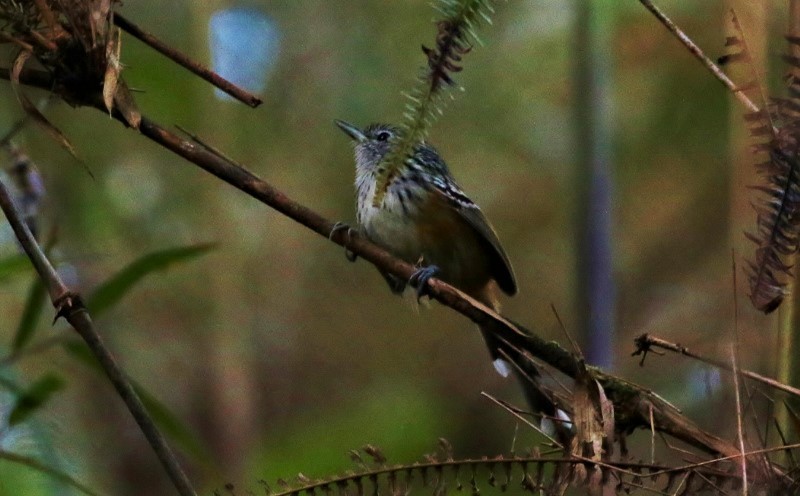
<point>419,280</point>
<point>341,226</point>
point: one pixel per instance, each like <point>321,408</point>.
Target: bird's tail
<point>510,360</point>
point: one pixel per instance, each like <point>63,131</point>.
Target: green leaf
<point>83,354</point>
<point>162,415</point>
<point>40,467</point>
<point>172,426</point>
<point>37,295</point>
<point>34,397</point>
<point>110,292</point>
<point>10,385</point>
<point>14,265</point>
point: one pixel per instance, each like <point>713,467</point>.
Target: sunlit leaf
<point>110,292</point>
<point>13,265</point>
<point>34,397</point>
<point>37,295</point>
<point>34,464</point>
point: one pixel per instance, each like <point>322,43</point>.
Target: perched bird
<point>424,216</point>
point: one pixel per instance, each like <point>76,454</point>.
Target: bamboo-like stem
<point>788,345</point>
<point>70,306</point>
<point>592,116</point>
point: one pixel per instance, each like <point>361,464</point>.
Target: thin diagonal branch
<point>632,402</point>
<point>183,60</point>
<point>69,305</point>
<point>700,55</point>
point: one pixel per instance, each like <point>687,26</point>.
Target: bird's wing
<point>500,265</point>
<point>471,213</point>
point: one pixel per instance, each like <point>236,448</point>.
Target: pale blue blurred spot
<point>244,47</point>
<point>69,274</point>
<point>704,382</point>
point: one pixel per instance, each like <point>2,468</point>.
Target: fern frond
<point>777,206</point>
<point>774,130</point>
<point>777,233</point>
<point>534,473</point>
<point>456,33</point>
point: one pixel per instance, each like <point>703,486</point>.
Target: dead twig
<point>700,55</point>
<point>739,429</point>
<point>645,344</point>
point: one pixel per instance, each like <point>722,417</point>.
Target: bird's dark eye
<point>383,135</point>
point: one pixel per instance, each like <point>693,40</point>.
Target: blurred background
<point>274,353</point>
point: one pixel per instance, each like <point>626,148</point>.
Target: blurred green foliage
<point>272,355</point>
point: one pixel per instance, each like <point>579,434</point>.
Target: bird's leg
<point>419,279</point>
<point>340,226</point>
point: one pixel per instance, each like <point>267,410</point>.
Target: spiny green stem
<point>460,21</point>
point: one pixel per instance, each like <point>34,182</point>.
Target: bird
<point>426,217</point>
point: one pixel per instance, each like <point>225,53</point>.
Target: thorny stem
<point>69,305</point>
<point>55,287</point>
<point>640,470</point>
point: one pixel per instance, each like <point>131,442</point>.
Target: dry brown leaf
<point>113,69</point>
<point>125,105</point>
<point>30,108</point>
<point>47,14</point>
<point>593,417</point>
<point>99,20</point>
<point>606,417</point>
